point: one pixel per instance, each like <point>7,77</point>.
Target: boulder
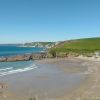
<point>2,59</point>
<point>37,56</point>
<point>18,58</point>
<point>25,57</point>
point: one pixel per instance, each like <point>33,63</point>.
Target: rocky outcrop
<point>23,57</point>
<point>18,58</point>
<point>37,56</point>
<point>2,59</point>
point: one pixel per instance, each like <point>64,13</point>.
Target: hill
<point>40,44</point>
<point>78,46</point>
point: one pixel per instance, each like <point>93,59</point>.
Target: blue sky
<point>48,20</point>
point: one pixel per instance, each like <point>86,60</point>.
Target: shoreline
<point>84,91</point>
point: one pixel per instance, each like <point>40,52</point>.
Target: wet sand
<point>58,79</point>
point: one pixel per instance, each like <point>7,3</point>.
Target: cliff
<point>40,44</point>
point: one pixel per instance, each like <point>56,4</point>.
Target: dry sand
<point>89,89</point>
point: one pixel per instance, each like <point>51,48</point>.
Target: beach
<point>54,79</point>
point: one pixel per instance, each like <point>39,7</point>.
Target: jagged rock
<point>37,56</point>
<point>18,58</point>
<point>23,57</point>
<point>2,59</point>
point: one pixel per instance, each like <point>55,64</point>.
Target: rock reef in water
<point>26,57</point>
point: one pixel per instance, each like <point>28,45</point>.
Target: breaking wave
<point>11,70</point>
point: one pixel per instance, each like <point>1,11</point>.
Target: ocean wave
<point>12,71</point>
<point>9,68</point>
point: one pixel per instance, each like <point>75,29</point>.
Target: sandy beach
<point>54,79</point>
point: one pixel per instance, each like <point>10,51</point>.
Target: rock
<point>35,56</point>
<point>2,59</point>
<point>27,57</point>
<point>18,58</point>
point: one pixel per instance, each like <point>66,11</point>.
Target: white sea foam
<point>9,68</point>
<point>12,71</point>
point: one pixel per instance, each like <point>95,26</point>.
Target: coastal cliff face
<point>23,57</point>
<point>40,44</point>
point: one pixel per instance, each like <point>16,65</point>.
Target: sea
<point>20,66</point>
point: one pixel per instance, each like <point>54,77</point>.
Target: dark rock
<point>23,57</point>
<point>37,56</point>
<point>18,58</point>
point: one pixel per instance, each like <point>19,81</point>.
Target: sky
<point>24,21</point>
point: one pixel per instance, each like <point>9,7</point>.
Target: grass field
<point>79,46</point>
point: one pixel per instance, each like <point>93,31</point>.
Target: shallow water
<point>7,68</point>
